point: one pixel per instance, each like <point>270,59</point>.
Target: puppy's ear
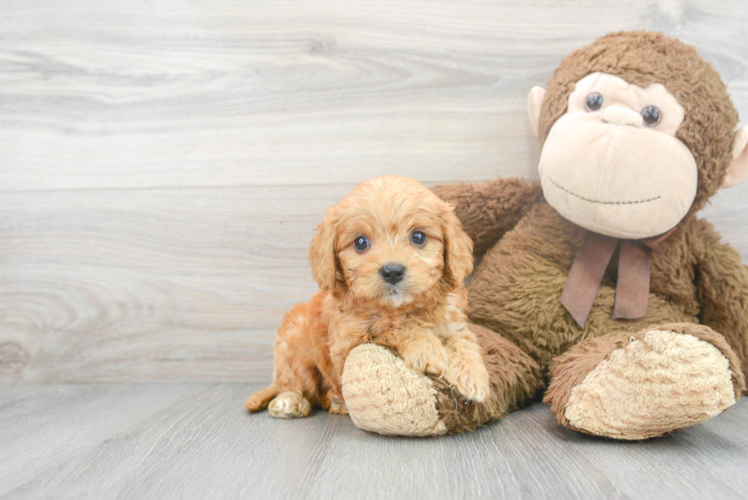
<point>458,249</point>
<point>323,256</point>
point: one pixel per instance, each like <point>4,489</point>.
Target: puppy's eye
<point>594,101</point>
<point>418,238</point>
<point>361,243</point>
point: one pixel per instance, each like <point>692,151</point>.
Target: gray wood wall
<point>163,163</point>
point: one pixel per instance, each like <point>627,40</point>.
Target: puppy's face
<point>391,253</point>
<point>391,242</point>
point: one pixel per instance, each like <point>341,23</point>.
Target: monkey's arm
<point>722,287</point>
<point>489,209</point>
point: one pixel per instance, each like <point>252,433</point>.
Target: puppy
<point>390,260</point>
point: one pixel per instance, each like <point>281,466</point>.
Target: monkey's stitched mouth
<point>601,202</point>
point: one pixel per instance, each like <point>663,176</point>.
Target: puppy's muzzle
<point>392,273</point>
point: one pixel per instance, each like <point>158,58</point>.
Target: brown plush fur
<point>527,248</point>
<point>515,378</point>
<point>421,316</point>
<point>512,198</point>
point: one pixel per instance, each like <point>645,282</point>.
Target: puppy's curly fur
<point>419,313</point>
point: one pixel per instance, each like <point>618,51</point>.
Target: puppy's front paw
<point>470,378</point>
<point>426,355</point>
<point>289,405</point>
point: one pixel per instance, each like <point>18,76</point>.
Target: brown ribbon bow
<point>586,275</point>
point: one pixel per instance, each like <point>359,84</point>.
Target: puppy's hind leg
<point>290,388</point>
<point>296,377</point>
<point>334,403</point>
<point>290,405</point>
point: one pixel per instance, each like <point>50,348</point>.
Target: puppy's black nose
<point>392,273</point>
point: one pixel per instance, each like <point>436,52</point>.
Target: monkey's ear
<point>323,256</point>
<point>737,170</point>
<point>534,103</point>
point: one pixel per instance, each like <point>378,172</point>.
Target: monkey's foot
<point>653,383</point>
<point>383,395</point>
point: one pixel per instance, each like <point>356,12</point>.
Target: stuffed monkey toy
<point>598,287</point>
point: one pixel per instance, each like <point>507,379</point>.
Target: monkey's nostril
<point>392,273</point>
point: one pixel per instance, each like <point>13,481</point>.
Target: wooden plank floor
<point>144,441</point>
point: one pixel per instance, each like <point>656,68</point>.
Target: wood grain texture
<point>163,163</point>
<point>145,441</point>
<point>175,93</point>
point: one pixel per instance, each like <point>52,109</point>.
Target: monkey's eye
<point>594,102</point>
<point>651,115</point>
<point>418,238</point>
<point>361,243</point>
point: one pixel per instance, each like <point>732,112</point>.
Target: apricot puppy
<point>390,260</point>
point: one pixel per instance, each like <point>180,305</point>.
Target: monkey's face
<point>612,163</point>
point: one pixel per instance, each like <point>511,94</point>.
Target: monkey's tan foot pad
<point>659,383</point>
<point>383,395</point>
<point>289,405</point>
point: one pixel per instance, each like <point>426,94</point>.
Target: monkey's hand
<point>489,209</point>
<point>722,287</point>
